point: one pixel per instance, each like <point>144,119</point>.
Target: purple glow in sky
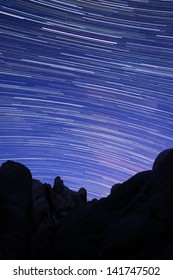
<point>86,88</point>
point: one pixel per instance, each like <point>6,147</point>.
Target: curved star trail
<point>86,88</point>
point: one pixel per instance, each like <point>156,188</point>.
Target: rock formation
<point>50,205</point>
<point>133,222</point>
<point>15,211</point>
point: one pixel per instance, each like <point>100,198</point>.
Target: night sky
<point>86,88</point>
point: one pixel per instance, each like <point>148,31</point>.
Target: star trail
<point>86,88</point>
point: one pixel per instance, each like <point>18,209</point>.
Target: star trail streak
<point>86,88</point>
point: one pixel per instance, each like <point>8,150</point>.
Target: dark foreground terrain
<point>40,222</point>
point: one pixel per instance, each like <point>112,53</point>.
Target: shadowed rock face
<point>50,205</point>
<point>133,222</point>
<point>15,210</point>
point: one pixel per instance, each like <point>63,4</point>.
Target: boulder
<point>15,210</point>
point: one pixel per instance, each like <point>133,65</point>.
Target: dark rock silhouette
<point>15,211</point>
<point>50,205</point>
<point>133,222</point>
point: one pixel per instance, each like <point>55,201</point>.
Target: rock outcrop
<point>133,222</point>
<point>50,205</point>
<point>15,211</point>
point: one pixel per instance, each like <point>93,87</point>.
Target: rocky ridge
<point>43,222</point>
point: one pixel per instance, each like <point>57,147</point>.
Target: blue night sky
<point>86,88</point>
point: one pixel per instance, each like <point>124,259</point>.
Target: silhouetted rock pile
<point>42,222</point>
